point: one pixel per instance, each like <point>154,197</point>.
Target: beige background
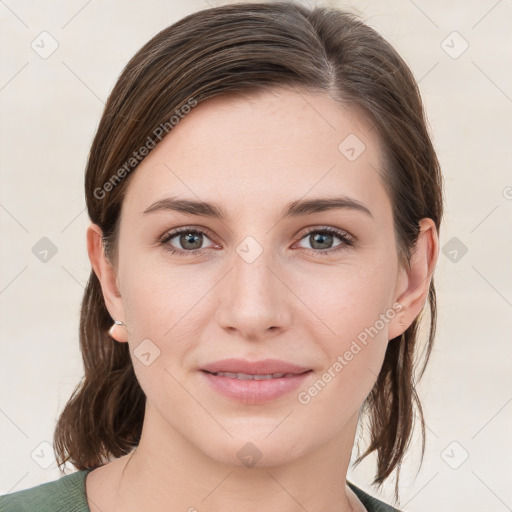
<point>50,108</point>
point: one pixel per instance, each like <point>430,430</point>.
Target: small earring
<point>111,330</point>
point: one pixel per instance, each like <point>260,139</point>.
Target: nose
<point>253,301</point>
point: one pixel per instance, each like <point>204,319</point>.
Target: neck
<point>176,475</point>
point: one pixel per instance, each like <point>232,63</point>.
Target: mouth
<point>254,388</point>
<point>247,369</point>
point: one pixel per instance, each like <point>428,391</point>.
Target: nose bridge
<point>252,279</point>
<point>252,301</point>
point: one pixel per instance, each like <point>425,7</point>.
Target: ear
<point>413,283</point>
<point>107,276</point>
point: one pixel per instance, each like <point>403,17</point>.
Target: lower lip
<point>255,391</point>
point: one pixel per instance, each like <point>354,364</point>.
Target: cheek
<point>352,313</point>
<point>348,299</point>
<point>352,362</point>
<point>157,295</point>
<point>165,312</point>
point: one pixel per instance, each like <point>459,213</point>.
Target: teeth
<point>247,376</point>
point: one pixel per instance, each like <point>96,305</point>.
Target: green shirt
<point>67,494</point>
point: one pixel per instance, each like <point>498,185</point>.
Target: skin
<point>252,155</point>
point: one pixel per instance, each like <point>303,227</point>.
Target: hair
<point>251,48</point>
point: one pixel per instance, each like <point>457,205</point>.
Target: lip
<point>262,367</point>
<point>254,391</point>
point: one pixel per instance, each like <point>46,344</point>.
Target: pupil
<point>320,238</point>
<point>191,238</point>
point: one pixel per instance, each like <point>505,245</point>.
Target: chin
<point>254,451</point>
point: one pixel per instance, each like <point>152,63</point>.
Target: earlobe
<point>107,276</point>
<point>415,280</point>
<point>114,333</point>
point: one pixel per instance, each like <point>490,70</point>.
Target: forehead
<point>276,146</point>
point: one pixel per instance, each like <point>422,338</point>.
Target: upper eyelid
<point>178,231</point>
<point>341,233</point>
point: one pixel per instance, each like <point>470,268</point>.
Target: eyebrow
<point>293,209</point>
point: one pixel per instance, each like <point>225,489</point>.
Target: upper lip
<point>262,367</point>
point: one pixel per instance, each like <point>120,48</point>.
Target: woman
<point>265,205</point>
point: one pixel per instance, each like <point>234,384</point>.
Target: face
<point>316,288</point>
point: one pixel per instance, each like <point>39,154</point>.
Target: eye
<point>321,240</point>
<point>189,239</point>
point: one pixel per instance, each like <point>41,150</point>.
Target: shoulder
<point>67,494</point>
<point>372,504</point>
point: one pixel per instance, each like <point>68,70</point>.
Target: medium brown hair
<point>244,48</point>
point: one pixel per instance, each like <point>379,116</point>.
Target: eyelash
<point>346,240</point>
